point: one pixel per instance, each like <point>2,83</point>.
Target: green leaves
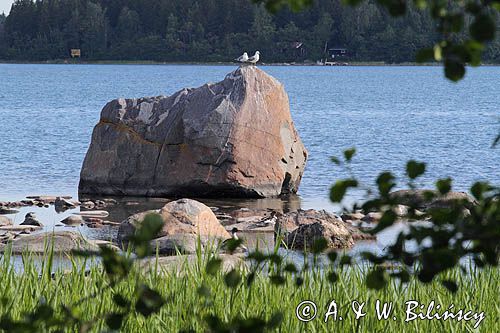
<point>450,285</point>
<point>479,189</point>
<point>424,55</point>
<point>483,28</point>
<point>349,153</point>
<point>232,279</point>
<point>213,266</point>
<point>454,69</point>
<point>232,245</point>
<point>388,218</point>
<point>394,7</point>
<point>149,228</point>
<point>415,169</point>
<point>444,185</point>
<point>115,320</point>
<point>275,5</point>
<point>149,301</point>
<point>115,265</point>
<point>319,245</point>
<point>338,191</point>
<point>385,183</point>
<point>375,279</point>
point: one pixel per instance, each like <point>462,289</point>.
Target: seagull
<point>242,58</point>
<point>254,59</point>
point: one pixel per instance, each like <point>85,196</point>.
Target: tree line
<point>212,30</point>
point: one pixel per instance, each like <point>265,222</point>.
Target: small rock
<point>6,211</point>
<point>110,201</point>
<point>88,205</point>
<point>224,217</point>
<point>300,229</point>
<point>401,210</point>
<point>95,225</point>
<point>372,217</point>
<point>358,234</point>
<point>31,219</point>
<point>49,198</point>
<point>8,236</point>
<point>73,220</point>
<point>93,213</point>
<point>111,223</point>
<point>93,220</point>
<point>21,228</point>
<point>100,204</point>
<point>4,221</point>
<point>62,204</point>
<point>352,216</point>
<point>131,203</point>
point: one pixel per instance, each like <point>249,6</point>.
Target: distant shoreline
<point>150,62</point>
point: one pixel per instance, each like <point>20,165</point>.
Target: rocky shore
<point>234,138</point>
<point>189,223</point>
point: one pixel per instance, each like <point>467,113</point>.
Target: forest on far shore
<point>212,30</point>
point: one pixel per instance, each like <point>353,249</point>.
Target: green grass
<point>186,306</point>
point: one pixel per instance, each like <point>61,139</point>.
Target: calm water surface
<point>390,114</point>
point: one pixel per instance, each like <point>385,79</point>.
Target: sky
<point>5,6</point>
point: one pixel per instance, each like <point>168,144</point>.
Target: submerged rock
<point>61,242</point>
<point>185,221</point>
<point>233,138</point>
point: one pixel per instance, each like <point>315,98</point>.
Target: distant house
<point>335,57</point>
<point>337,52</point>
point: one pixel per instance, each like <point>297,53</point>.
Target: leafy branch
<point>452,18</point>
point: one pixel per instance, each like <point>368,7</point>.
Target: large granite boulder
<point>186,222</point>
<point>232,138</point>
<point>300,229</point>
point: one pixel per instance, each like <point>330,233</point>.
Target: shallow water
<point>390,114</point>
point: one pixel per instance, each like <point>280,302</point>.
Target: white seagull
<point>254,59</point>
<point>242,58</point>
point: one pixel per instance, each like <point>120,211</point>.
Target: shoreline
<point>195,63</point>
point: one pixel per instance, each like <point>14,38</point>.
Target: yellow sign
<point>76,53</point>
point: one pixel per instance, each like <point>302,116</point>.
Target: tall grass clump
<point>199,293</point>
